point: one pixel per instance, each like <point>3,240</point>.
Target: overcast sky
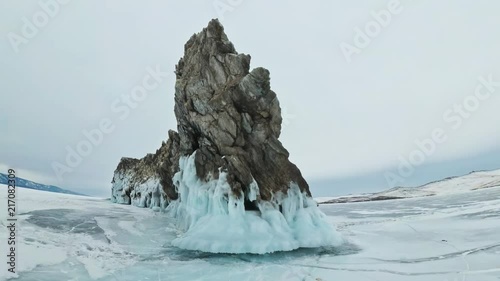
<point>346,117</point>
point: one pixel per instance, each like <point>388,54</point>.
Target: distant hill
<point>24,183</point>
<point>472,181</point>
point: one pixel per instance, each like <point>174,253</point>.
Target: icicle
<point>214,220</point>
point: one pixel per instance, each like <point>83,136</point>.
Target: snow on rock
<point>141,194</point>
<point>147,182</point>
<point>215,220</point>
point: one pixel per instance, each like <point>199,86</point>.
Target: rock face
<point>226,113</point>
<point>231,116</point>
<point>226,166</point>
<point>148,182</point>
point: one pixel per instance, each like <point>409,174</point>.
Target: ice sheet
<point>451,237</point>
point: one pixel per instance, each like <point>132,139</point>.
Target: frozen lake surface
<point>447,237</point>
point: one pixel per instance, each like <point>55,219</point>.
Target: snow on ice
<point>436,238</point>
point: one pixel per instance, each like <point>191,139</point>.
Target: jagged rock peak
<point>230,116</point>
<point>225,176</point>
<point>225,113</point>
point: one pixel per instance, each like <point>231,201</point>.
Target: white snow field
<point>442,237</point>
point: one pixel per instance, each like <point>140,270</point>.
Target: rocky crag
<point>148,182</point>
<point>225,165</point>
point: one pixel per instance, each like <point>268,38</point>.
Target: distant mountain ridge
<point>450,185</point>
<point>24,183</point>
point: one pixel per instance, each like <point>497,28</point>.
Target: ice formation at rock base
<point>126,195</point>
<point>214,220</point>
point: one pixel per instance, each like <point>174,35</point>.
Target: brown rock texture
<point>225,113</point>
